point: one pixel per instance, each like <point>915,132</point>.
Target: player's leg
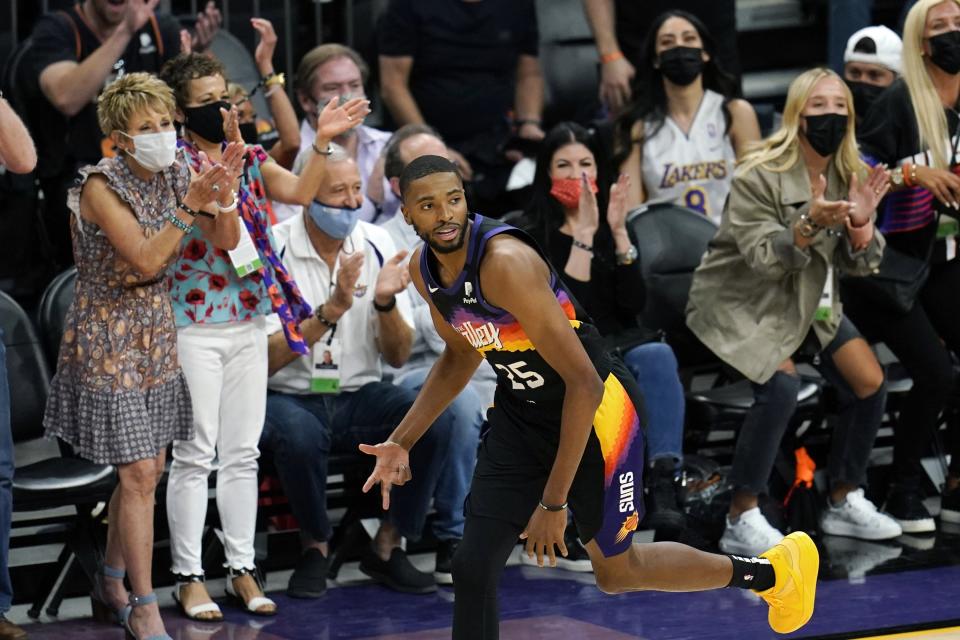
<point>477,567</point>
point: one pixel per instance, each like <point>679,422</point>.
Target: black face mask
<point>945,51</point>
<point>681,65</point>
<point>864,95</point>
<point>825,132</point>
<point>248,131</point>
<point>206,121</point>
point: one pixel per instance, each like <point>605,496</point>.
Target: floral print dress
<point>119,395</point>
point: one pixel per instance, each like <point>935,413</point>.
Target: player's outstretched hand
<point>392,468</point>
<point>544,530</point>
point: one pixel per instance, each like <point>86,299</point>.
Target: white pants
<point>226,370</point>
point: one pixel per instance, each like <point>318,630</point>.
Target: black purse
<point>896,283</point>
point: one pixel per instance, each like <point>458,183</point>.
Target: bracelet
<point>611,57</point>
<point>273,79</point>
<point>387,308</point>
<point>553,508</point>
<point>178,223</point>
<point>523,121</point>
<point>207,214</point>
<point>187,210</point>
<point>230,207</point>
<point>585,247</point>
<point>319,316</point>
<point>909,174</point>
<point>317,150</point>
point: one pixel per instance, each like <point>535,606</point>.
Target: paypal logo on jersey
<point>468,293</point>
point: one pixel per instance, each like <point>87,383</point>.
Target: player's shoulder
<point>508,257</point>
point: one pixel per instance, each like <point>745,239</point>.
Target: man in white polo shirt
<point>335,398</point>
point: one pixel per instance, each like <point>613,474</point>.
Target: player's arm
<point>522,287</point>
<point>447,378</point>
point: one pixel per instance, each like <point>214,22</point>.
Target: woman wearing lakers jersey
<point>680,138</point>
<point>564,431</point>
<point>801,208</point>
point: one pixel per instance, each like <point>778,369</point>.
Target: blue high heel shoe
<point>102,611</point>
<point>142,601</point>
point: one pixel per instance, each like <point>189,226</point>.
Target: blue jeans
<point>654,366</point>
<point>455,476</point>
<point>845,18</point>
<point>6,483</point>
<point>301,431</point>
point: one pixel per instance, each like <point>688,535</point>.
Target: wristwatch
<point>896,177</point>
<point>807,227</point>
<point>627,257</point>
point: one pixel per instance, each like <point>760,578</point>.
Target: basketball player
<point>564,431</point>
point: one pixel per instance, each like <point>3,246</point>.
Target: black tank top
<point>527,386</point>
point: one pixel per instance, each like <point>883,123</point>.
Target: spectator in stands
<point>469,409</point>
<point>917,109</point>
<point>335,72</point>
<point>462,67</point>
<point>619,27</point>
<point>119,396</point>
<point>352,273</point>
<point>17,154</point>
<point>598,261</point>
<point>285,138</point>
<point>801,207</point>
<point>871,63</point>
<point>75,54</point>
<point>679,140</point>
<point>220,301</point>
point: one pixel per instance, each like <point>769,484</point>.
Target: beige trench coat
<point>755,293</point>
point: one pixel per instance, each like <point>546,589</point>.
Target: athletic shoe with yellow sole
<point>795,562</point>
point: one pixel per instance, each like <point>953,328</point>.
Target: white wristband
<point>231,207</point>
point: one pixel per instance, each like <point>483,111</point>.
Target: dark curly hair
<point>180,70</point>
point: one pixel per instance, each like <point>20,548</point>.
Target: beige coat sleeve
<point>763,228</point>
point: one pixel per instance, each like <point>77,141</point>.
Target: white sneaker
<point>751,535</point>
<point>857,517</point>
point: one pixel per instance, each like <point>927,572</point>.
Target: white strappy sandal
<point>196,610</point>
<point>256,603</point>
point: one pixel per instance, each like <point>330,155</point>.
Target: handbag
<point>896,283</point>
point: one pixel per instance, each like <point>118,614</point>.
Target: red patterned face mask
<point>567,190</point>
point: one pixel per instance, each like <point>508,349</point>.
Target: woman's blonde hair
<point>781,150</point>
<point>931,120</point>
<point>237,91</point>
<point>129,94</point>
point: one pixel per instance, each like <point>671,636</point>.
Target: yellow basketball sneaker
<point>795,561</point>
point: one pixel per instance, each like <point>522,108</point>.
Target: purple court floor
<point>867,589</point>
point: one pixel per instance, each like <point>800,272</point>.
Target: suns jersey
<point>524,379</point>
<point>693,170</point>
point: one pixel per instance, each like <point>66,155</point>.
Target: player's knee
<point>469,576</point>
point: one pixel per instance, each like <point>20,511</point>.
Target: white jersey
<point>692,170</point>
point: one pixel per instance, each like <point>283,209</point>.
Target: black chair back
<point>671,241</point>
<point>27,372</point>
<point>56,299</point>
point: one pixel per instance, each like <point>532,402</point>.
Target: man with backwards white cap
<point>871,62</point>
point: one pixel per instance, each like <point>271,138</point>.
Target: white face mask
<point>154,151</point>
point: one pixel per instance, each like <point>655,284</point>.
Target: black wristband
<point>387,308</point>
<point>553,507</point>
<point>319,315</point>
<point>580,245</point>
<point>188,210</point>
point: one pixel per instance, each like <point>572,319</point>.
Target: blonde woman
<point>913,127</point>
<point>119,395</point>
<point>801,209</point>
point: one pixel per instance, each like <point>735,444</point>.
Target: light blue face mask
<point>336,222</point>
